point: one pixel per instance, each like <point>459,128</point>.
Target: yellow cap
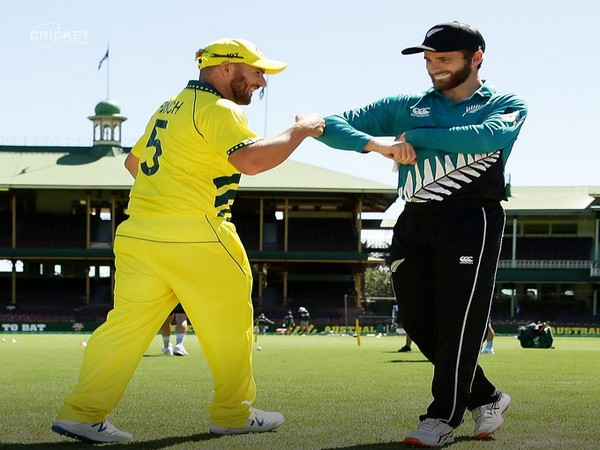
<point>236,51</point>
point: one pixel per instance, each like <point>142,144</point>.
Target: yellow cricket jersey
<point>184,177</point>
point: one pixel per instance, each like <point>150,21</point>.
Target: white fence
<point>540,264</point>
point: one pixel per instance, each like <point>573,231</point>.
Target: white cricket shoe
<point>91,432</point>
<point>488,418</point>
<point>430,433</point>
<point>168,350</point>
<point>180,350</point>
<point>258,422</point>
<point>487,351</point>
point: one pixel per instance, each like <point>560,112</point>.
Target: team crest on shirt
<point>473,109</point>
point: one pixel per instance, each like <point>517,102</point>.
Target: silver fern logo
<point>433,31</point>
<point>473,109</point>
<point>441,177</point>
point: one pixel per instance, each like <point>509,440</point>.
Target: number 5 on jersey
<point>153,141</point>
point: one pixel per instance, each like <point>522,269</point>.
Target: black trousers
<point>444,262</point>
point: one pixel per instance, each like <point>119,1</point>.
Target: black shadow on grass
<point>135,445</point>
<point>408,361</point>
<point>386,446</point>
<point>396,445</point>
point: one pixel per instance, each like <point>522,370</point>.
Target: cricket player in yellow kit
<point>179,246</point>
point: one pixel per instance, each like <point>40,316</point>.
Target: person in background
<point>396,319</point>
<point>262,323</point>
<point>181,326</point>
<point>489,340</point>
<point>288,322</point>
<point>304,319</point>
<point>407,345</point>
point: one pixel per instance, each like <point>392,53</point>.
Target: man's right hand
<point>400,152</point>
<point>312,123</point>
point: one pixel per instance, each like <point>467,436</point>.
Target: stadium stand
<point>67,201</point>
<point>550,248</point>
<point>326,234</point>
<point>51,230</point>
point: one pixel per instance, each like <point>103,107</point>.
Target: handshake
<point>312,124</point>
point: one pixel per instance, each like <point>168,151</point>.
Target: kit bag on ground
<point>536,335</point>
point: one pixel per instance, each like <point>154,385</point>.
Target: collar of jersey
<point>202,86</point>
<point>486,90</point>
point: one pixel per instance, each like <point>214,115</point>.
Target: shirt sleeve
<point>498,129</point>
<point>226,127</point>
<point>353,129</point>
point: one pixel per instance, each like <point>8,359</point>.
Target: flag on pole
<point>104,58</point>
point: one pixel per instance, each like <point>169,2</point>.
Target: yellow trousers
<point>213,281</point>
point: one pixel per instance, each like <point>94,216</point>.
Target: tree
<point>378,282</point>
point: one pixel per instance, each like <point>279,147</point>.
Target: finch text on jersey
<point>170,107</point>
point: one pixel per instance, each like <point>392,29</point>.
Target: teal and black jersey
<point>461,147</point>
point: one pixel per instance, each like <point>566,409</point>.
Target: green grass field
<point>333,393</point>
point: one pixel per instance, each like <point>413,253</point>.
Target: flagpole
<point>107,59</point>
<point>266,91</point>
<point>108,72</point>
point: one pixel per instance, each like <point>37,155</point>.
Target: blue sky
<point>341,54</point>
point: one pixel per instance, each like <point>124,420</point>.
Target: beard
<point>456,79</point>
<point>240,89</point>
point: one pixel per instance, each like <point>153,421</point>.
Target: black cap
<point>449,37</point>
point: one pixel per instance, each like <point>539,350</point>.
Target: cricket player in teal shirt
<point>452,144</point>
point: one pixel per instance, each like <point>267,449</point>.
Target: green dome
<point>107,108</point>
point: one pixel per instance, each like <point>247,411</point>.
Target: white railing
<point>543,264</point>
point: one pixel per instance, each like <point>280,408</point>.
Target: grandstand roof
<point>34,167</point>
<point>101,167</point>
<point>552,199</point>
